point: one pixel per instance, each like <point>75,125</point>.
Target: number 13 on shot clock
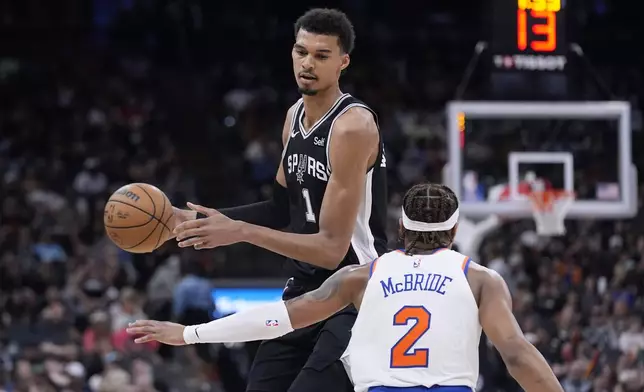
<point>529,35</point>
<point>542,15</point>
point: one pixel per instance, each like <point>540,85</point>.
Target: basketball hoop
<point>549,209</point>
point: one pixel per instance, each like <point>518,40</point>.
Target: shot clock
<point>529,35</point>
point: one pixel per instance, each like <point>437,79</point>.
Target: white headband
<point>424,226</point>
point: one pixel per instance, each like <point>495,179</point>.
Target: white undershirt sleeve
<point>260,323</point>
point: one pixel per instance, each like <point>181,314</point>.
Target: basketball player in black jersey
<point>330,191</point>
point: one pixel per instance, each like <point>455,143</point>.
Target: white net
<point>549,209</point>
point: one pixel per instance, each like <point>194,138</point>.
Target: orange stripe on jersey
<point>466,264</point>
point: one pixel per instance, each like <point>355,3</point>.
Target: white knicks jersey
<point>418,324</point>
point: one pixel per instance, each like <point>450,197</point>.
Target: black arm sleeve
<point>273,213</point>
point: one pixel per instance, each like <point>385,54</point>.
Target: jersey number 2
<point>310,215</point>
<point>402,354</point>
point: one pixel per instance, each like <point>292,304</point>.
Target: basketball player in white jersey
<point>421,311</point>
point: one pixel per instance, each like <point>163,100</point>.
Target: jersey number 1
<point>402,354</point>
<point>310,215</point>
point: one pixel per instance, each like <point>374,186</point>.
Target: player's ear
<point>346,60</point>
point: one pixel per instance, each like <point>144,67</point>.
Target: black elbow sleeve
<point>281,205</point>
<point>273,213</point>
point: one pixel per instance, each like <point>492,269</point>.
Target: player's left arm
<point>269,321</point>
<point>354,146</point>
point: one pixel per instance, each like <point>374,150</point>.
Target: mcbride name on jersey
<point>307,169</point>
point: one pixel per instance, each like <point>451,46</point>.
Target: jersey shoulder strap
<point>454,259</point>
<point>299,107</point>
<point>385,259</point>
<point>346,103</point>
<point>349,102</point>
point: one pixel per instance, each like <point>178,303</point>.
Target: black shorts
<point>306,360</point>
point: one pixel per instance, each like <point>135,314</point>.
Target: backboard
<point>500,151</point>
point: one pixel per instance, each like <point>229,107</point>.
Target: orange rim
<point>542,201</point>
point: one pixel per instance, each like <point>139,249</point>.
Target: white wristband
<point>261,323</point>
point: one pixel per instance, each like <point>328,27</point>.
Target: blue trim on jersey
<point>420,389</point>
<point>373,262</point>
<point>467,266</point>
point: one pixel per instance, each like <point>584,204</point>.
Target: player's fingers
<point>198,232</point>
<point>192,224</point>
<point>145,339</point>
<point>142,323</point>
<point>142,330</point>
<point>191,242</point>
<point>204,245</point>
<point>204,210</point>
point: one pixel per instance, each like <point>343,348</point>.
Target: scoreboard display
<point>529,35</point>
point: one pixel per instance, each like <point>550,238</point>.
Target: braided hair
<point>431,203</point>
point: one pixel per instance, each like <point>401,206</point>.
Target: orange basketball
<point>137,218</point>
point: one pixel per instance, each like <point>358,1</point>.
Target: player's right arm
<point>524,362</point>
<point>269,321</point>
<point>273,213</point>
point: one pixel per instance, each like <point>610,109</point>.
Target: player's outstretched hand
<point>216,229</point>
<point>179,216</point>
<point>160,331</point>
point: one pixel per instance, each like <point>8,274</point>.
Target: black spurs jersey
<point>307,170</point>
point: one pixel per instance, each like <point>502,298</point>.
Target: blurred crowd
<point>579,299</point>
<point>134,103</point>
